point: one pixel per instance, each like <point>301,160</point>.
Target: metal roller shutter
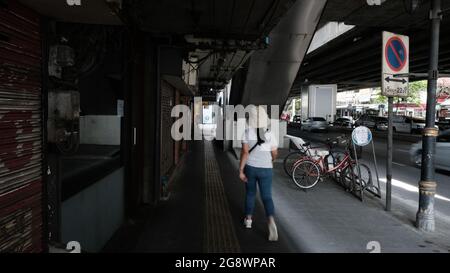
<point>167,143</point>
<point>20,130</point>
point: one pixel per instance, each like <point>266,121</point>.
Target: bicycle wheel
<point>366,176</point>
<point>306,174</point>
<point>290,159</point>
<point>347,178</point>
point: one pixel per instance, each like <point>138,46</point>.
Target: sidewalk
<point>204,213</point>
<point>405,193</point>
<point>328,219</point>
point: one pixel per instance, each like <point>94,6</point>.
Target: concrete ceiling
<point>353,60</point>
<point>240,23</point>
<point>229,30</point>
<point>392,13</point>
<point>89,12</point>
<point>219,67</point>
<point>233,19</point>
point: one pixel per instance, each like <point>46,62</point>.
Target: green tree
<point>298,105</point>
<point>414,91</point>
<point>380,99</point>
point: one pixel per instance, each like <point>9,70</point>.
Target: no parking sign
<point>395,59</point>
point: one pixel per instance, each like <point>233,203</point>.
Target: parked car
<point>408,125</point>
<point>343,122</point>
<point>350,118</point>
<point>314,124</point>
<point>442,156</point>
<point>381,123</point>
<point>366,120</point>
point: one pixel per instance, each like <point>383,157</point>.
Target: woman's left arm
<point>274,153</point>
<point>274,147</point>
<point>244,158</point>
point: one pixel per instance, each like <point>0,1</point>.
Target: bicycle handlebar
<point>329,142</point>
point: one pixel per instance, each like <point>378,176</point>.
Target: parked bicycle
<point>310,169</point>
<point>304,149</point>
<point>301,150</point>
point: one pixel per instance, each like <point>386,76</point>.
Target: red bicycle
<point>309,169</point>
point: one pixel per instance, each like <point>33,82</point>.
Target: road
<point>405,177</point>
<point>401,148</point>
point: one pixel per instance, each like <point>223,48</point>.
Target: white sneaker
<point>248,223</point>
<point>273,233</point>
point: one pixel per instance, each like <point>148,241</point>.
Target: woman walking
<point>259,150</point>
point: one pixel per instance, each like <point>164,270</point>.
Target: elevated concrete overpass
<point>353,60</point>
<point>271,72</point>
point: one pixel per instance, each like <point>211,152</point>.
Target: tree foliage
<point>380,99</point>
<point>414,91</point>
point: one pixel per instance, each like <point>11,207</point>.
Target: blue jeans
<point>262,177</point>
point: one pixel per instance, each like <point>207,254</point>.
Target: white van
<point>408,125</point>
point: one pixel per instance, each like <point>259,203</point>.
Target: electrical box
<point>60,56</point>
<point>63,124</point>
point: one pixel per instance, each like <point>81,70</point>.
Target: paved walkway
<point>405,193</point>
<point>328,219</point>
<point>323,219</point>
<point>203,214</point>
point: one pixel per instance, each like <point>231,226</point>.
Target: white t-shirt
<point>261,156</point>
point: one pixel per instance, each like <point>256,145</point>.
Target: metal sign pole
<point>395,61</point>
<point>376,169</point>
<point>359,172</point>
<point>389,156</point>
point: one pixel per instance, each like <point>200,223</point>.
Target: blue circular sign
<point>361,136</point>
<point>396,54</point>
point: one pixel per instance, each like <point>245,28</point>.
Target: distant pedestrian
<point>259,150</point>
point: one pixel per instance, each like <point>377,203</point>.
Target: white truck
<point>319,101</point>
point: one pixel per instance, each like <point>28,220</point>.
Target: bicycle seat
<point>306,144</point>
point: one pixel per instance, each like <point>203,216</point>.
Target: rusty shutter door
<point>20,130</point>
<point>167,142</point>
